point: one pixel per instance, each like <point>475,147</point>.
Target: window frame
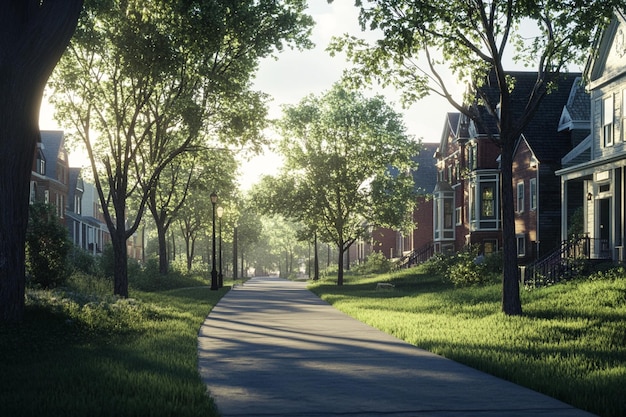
<point>521,200</point>
<point>608,110</point>
<point>533,193</point>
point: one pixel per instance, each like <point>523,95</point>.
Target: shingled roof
<point>541,133</point>
<point>425,177</point>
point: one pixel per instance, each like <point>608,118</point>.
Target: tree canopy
<point>347,167</point>
<point>145,82</point>
<point>421,40</point>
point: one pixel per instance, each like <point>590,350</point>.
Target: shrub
<point>376,263</point>
<point>438,264</point>
<point>467,269</point>
<point>47,247</point>
<point>82,261</point>
<point>106,261</point>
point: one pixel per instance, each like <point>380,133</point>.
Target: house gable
<point>610,59</point>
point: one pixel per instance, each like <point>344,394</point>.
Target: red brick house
<point>394,243</point>
<point>466,207</point>
<point>50,173</point>
<point>561,122</point>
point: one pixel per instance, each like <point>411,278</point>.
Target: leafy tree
<point>149,77</point>
<point>212,171</point>
<point>339,151</point>
<point>34,35</point>
<point>200,173</point>
<point>422,40</point>
<point>47,247</point>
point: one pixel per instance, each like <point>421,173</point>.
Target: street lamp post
<point>214,283</point>
<point>220,212</point>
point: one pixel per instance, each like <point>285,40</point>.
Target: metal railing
<point>565,262</point>
<point>416,256</point>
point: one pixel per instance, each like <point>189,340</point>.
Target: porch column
<point>563,209</point>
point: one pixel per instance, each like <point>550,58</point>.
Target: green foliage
<point>106,261</point>
<point>468,269</point>
<point>610,272</point>
<point>129,357</point>
<point>47,247</point>
<point>376,263</point>
<point>82,261</point>
<point>438,264</point>
<point>570,344</point>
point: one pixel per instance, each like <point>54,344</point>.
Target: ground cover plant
<point>569,344</point>
<point>83,352</point>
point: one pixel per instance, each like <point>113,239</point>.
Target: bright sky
<point>296,74</point>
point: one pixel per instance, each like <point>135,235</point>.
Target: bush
<point>376,263</point>
<point>82,261</point>
<point>47,247</point>
<point>439,264</point>
<point>468,269</point>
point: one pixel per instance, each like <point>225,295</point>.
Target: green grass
<point>82,353</point>
<point>569,344</point>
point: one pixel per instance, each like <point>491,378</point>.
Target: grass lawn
<point>569,344</point>
<point>95,355</point>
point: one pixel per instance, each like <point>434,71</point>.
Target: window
<point>78,202</point>
<point>607,121</point>
<point>471,158</point>
<point>487,201</point>
<point>443,212</point>
<point>520,197</point>
<point>484,210</point>
<point>41,163</point>
<point>457,216</point>
<point>521,245</point>
<point>533,194</point>
<point>623,126</point>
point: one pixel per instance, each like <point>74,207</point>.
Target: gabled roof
<point>542,131</point>
<point>610,48</point>
<point>577,110</point>
<point>53,143</point>
<point>425,177</point>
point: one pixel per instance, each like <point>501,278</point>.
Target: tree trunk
<point>120,263</point>
<point>235,254</point>
<point>162,239</point>
<point>316,260</point>
<point>35,34</point>
<point>340,250</point>
<point>511,303</point>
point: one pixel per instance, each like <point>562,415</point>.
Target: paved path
<point>273,348</point>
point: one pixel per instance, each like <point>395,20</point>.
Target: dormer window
<point>41,163</point>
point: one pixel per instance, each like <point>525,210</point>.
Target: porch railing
<point>416,256</point>
<point>565,262</point>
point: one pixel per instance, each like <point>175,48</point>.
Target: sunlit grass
<point>90,354</point>
<point>570,343</point>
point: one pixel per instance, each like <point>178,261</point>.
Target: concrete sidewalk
<point>273,348</point>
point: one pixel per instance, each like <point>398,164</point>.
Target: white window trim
<point>533,193</point>
<point>520,201</point>
<point>520,237</point>
<point>608,110</point>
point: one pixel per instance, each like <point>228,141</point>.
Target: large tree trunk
<point>120,263</point>
<point>120,254</point>
<point>35,34</point>
<point>511,303</point>
<point>162,239</point>
<point>316,260</point>
<point>340,250</point>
